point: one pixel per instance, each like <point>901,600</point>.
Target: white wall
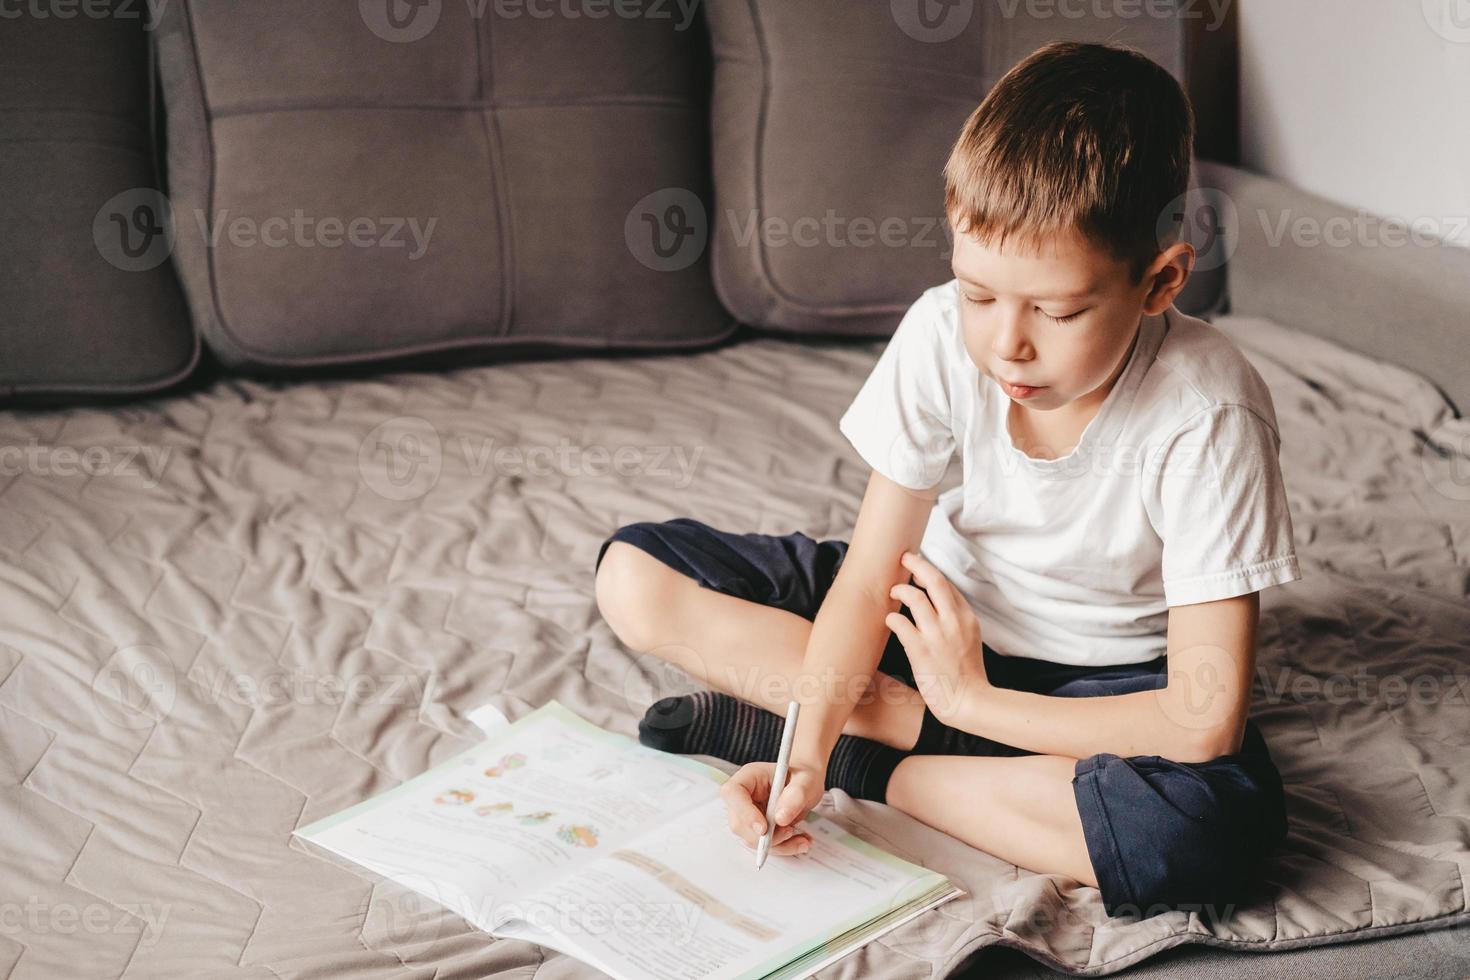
<point>1365,102</point>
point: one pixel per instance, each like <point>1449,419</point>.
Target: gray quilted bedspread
<point>226,614</point>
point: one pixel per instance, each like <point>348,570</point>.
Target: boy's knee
<point>1166,835</point>
<point>633,589</point>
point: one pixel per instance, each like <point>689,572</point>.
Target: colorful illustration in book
<point>507,762</point>
<point>532,819</point>
<point>495,809</point>
<point>578,834</point>
<point>455,797</point>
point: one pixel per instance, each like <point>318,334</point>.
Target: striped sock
<point>937,738</point>
<point>717,724</point>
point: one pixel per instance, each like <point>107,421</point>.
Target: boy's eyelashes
<point>1066,318</point>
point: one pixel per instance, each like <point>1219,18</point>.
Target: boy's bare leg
<point>742,648</point>
<point>1021,809</point>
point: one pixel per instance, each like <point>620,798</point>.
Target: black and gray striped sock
<point>718,724</point>
<point>937,738</point>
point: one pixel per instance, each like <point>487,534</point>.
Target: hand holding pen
<point>749,791</point>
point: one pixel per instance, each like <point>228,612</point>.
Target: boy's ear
<point>1166,276</point>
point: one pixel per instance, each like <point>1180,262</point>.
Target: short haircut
<point>1092,137</point>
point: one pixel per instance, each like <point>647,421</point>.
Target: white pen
<point>778,782</point>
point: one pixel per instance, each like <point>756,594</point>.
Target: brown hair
<point>1086,136</point>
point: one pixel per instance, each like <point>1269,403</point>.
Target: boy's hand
<point>943,642</point>
<point>745,795</point>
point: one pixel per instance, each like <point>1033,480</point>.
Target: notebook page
<point>481,830</point>
<point>686,900</point>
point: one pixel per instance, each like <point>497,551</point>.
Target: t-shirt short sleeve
<point>900,421</point>
<point>1216,498</point>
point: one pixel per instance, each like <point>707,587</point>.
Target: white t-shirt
<point>1172,496</point>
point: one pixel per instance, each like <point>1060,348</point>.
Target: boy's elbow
<point>1192,752</point>
<point>1205,745</point>
<point>1198,730</point>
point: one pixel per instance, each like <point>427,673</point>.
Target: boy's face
<point>1060,319</point>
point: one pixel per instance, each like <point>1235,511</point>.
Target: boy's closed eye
<point>1057,317</point>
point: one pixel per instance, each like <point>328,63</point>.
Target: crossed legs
<point>1018,808</point>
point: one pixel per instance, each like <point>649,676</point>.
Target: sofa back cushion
<point>831,125</point>
<point>362,181</point>
<point>89,303</point>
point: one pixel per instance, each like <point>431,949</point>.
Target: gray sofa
<point>90,303</point>
<point>331,188</point>
<point>293,478</point>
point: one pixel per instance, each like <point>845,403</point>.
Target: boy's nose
<point>1009,342</point>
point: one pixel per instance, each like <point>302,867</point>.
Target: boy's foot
<point>710,723</point>
<point>717,724</point>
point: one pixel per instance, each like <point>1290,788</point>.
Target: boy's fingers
<point>919,606</point>
<point>798,844</point>
<point>745,831</point>
<point>744,794</point>
<point>907,632</point>
<point>739,792</point>
<point>795,844</point>
<point>791,807</point>
<point>937,588</point>
<point>795,798</point>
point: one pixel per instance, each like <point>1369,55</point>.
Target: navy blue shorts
<point>1161,834</point>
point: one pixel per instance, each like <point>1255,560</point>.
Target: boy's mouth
<point>1019,391</point>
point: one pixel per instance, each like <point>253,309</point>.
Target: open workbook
<point>558,832</point>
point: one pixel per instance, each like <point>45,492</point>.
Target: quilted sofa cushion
<point>88,300</point>
<point>831,124</point>
<point>358,181</point>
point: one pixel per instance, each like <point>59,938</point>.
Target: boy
<point>1067,677</point>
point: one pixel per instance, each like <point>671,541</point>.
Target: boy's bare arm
<point>1198,716</point>
<point>848,633</point>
